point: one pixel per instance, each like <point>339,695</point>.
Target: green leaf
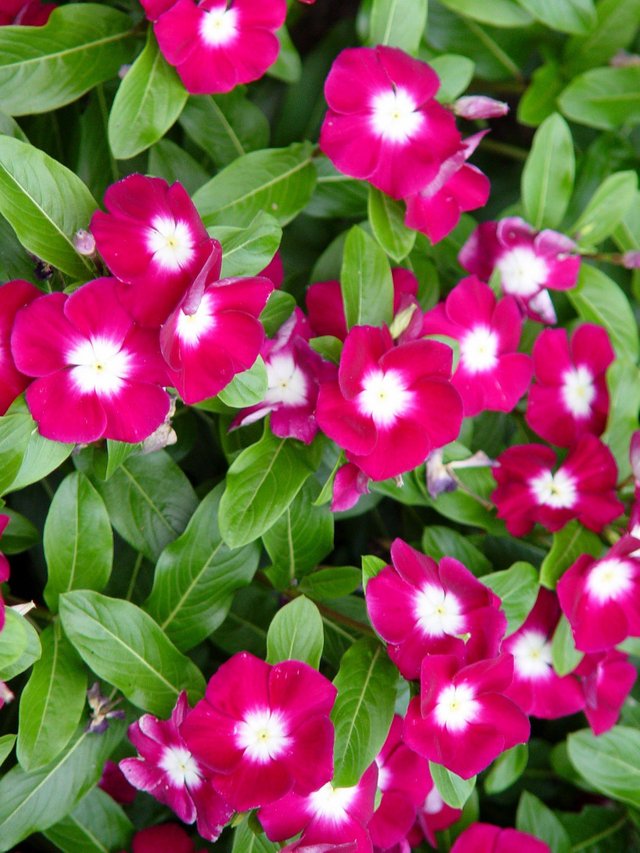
<point>387,222</point>
<point>439,542</point>
<point>610,762</point>
<point>6,745</point>
<point>149,501</point>
<point>96,825</point>
<point>371,566</point>
<point>539,100</point>
<point>570,16</point>
<point>277,311</point>
<point>605,98</point>
<point>196,578</point>
<point>568,544</point>
<point>300,538</point>
<point>617,25</point>
<point>336,196</point>
<point>538,820</point>
<point>247,251</point>
<point>623,381</point>
<point>246,841</point>
<point>45,204</point>
<point>77,540</point>
<point>288,65</point>
<point>364,708</point>
<point>498,13</point>
<point>167,160</point>
<point>398,23</point>
<point>148,101</point>
<point>117,452</point>
<point>225,126</point>
<point>367,286</point>
<point>124,646</point>
<point>329,347</point>
<point>52,702</point>
<point>506,769</point>
<point>564,655</point>
<point>43,68</point>
<point>598,299</point>
<point>296,633</point>
<point>547,178</point>
<point>20,534</point>
<point>455,73</point>
<point>261,483</point>
<point>10,127</point>
<point>15,433</point>
<point>518,589</point>
<point>454,790</point>
<point>278,180</point>
<point>246,388</point>
<point>331,582</point>
<point>606,208</point>
<point>20,646</point>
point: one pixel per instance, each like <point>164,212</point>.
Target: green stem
<point>134,576</point>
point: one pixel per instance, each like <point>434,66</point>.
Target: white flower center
<point>181,767</point>
<point>100,366</point>
<point>384,397</point>
<point>287,382</point>
<point>434,802</point>
<point>532,655</point>
<point>219,26</point>
<point>191,327</point>
<point>171,243</point>
<point>522,272</point>
<point>262,735</point>
<point>329,803</point>
<point>394,116</point>
<point>555,490</point>
<point>438,612</point>
<point>478,350</point>
<point>610,578</point>
<point>456,707</point>
<point>384,776</point>
<point>578,391</point>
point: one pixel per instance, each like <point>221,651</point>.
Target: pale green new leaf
<point>19,645</point>
<point>248,250</point>
<point>398,23</point>
<point>296,633</point>
<point>607,207</point>
<point>568,544</point>
<point>604,98</point>
<point>454,790</point>
<point>610,762</point>
<point>387,222</point>
<point>366,282</point>
<point>547,178</point>
<point>497,13</point>
<point>568,16</point>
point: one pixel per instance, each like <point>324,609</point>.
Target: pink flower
<point>486,838</point>
<point>163,838</point>
<point>462,719</point>
<point>114,783</point>
<point>329,815</point>
<point>98,375</point>
<point>274,270</point>
<point>536,687</point>
<point>216,44</point>
<point>4,570</point>
<point>490,375</point>
<point>153,239</point>
<point>25,13</point>
<point>528,262</point>
<point>601,598</point>
<point>349,485</point>
<point>167,769</point>
<point>423,608</point>
<point>433,816</point>
<point>391,405</point>
<point>606,679</point>
<point>14,295</point>
<point>569,397</point>
<point>214,333</point>
<point>383,124</point>
<point>457,187</point>
<point>583,487</point>
<point>265,729</point>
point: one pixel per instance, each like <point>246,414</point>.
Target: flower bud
<point>84,243</point>
<point>479,106</point>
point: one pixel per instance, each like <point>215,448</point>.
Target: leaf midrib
<point>46,57</point>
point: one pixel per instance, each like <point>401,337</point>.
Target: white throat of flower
<point>532,655</point>
<point>219,27</point>
<point>394,115</point>
<point>522,272</point>
<point>191,327</point>
<point>479,350</point>
<point>558,490</point>
<point>263,735</point>
<point>99,366</point>
<point>610,578</point>
<point>287,383</point>
<point>578,391</point>
<point>438,612</point>
<point>171,242</point>
<point>329,803</point>
<point>456,707</point>
<point>384,397</point>
<point>181,767</point>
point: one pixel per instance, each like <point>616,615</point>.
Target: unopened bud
<point>24,608</point>
<point>123,71</point>
<point>6,695</point>
<point>84,243</point>
<point>631,260</point>
<point>622,59</point>
<point>479,106</point>
<point>439,478</point>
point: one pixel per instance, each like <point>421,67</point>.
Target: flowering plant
<point>319,437</point>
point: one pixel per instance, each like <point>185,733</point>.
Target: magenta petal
<point>42,336</point>
<point>310,758</point>
<point>220,753</point>
<point>342,422</point>
<point>135,411</point>
<point>87,306</point>
<point>212,811</point>
<point>362,351</point>
<point>284,818</point>
<point>253,784</point>
<point>300,691</point>
<point>390,603</point>
<point>62,412</point>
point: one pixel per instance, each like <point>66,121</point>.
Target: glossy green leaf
<point>247,251</point>
<point>564,655</point>
<point>261,483</point>
<point>610,762</point>
<point>329,347</point>
<point>196,578</point>
<point>398,23</point>
<point>331,582</point>
<point>117,452</point>
<point>96,825</point>
<point>77,539</point>
<point>149,500</point>
<point>367,286</point>
<point>455,73</point>
<point>278,309</point>
<point>363,710</point>
<point>606,208</point>
<point>246,388</point>
<point>598,299</point>
<point>547,179</point>
<point>538,820</point>
<point>568,544</point>
<point>171,162</point>
<point>506,769</point>
<point>247,841</point>
<point>15,433</point>
<point>439,542</point>
<point>569,16</point>
<point>539,99</point>
<point>517,587</point>
<point>454,790</point>
<point>498,13</point>
<point>605,98</point>
<point>387,222</point>
<point>124,646</point>
<point>20,646</point>
<point>34,801</point>
<point>6,745</point>
<point>278,181</point>
<point>148,101</point>
<point>20,534</point>
<point>623,381</point>
<point>43,68</point>
<point>52,702</point>
<point>45,203</point>
<point>371,566</point>
<point>617,24</point>
<point>296,633</point>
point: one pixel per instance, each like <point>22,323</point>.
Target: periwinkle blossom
<point>14,295</point>
<point>391,404</point>
<point>349,484</point>
<point>530,490</point>
<point>569,396</point>
<point>163,838</point>
<point>491,375</point>
<point>167,769</point>
<point>25,13</point>
<point>383,124</point>
<point>487,838</point>
<point>96,373</point>
<point>263,730</point>
<point>606,679</point>
<point>420,607</point>
<point>528,261</point>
